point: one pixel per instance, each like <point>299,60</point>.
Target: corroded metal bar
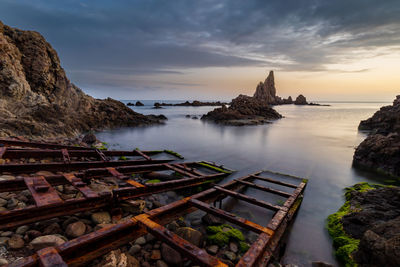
<point>49,257</point>
<point>85,248</point>
<point>42,192</point>
<point>274,181</point>
<point>196,254</point>
<point>251,200</point>
<point>266,189</point>
<point>178,170</point>
<point>65,155</point>
<point>80,185</point>
<point>19,143</point>
<point>71,166</point>
<point>3,150</point>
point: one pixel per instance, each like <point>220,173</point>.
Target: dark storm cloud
<point>117,40</point>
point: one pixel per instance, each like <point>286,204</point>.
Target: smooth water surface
<point>315,142</point>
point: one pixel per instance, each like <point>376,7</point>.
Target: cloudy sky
<point>192,49</point>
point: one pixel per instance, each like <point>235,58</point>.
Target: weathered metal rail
<point>18,143</point>
<point>48,203</point>
<point>79,251</point>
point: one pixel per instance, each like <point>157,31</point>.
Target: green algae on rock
<point>222,234</point>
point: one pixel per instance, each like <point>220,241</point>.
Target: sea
<point>314,142</point>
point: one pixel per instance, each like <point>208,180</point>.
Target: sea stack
<point>266,91</point>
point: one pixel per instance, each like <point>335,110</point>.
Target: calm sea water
<point>313,142</point>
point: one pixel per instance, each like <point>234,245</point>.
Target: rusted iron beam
<point>71,166</point>
<point>42,192</point>
<point>251,200</point>
<point>19,143</point>
<point>3,150</point>
<point>274,181</point>
<point>85,248</point>
<point>264,188</point>
<point>49,257</point>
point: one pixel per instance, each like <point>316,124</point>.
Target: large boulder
<point>300,100</point>
<point>37,98</point>
<point>266,91</point>
<point>380,151</point>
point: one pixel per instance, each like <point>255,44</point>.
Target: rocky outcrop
<point>244,110</point>
<point>195,103</point>
<point>368,226</point>
<point>380,151</point>
<point>300,100</point>
<point>266,91</point>
<point>37,99</point>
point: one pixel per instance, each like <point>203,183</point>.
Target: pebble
<point>170,255</point>
<point>134,249</point>
<point>140,241</point>
<point>101,217</point>
<point>16,242</point>
<point>160,263</point>
<point>22,229</point>
<point>3,262</point>
<point>75,229</point>
<point>6,177</point>
<point>213,249</point>
<point>230,255</point>
<point>46,241</point>
<point>3,241</point>
<point>150,237</point>
<point>52,229</point>
<point>233,247</point>
<point>156,255</point>
<point>3,202</point>
<point>7,234</point>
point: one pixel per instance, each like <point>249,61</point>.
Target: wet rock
<point>210,219</point>
<point>4,241</point>
<point>32,234</point>
<point>3,262</point>
<point>134,249</point>
<point>160,263</point>
<point>170,255</point>
<point>191,235</point>
<point>16,242</point>
<point>233,246</point>
<point>155,254</point>
<point>53,229</point>
<point>140,241</point>
<point>213,249</point>
<point>46,241</point>
<point>75,229</point>
<point>230,255</point>
<point>89,139</point>
<point>116,258</point>
<point>300,100</point>
<point>321,264</point>
<point>22,229</point>
<point>139,104</point>
<point>134,206</point>
<point>101,217</point>
<point>6,234</point>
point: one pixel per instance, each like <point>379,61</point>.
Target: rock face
<point>267,92</point>
<point>380,151</point>
<point>244,110</point>
<point>37,99</point>
<point>300,100</point>
<point>375,221</point>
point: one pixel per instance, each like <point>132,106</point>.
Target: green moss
<point>222,234</point>
<point>123,158</point>
<point>305,181</point>
<point>344,244</point>
<point>215,168</point>
<point>280,202</point>
<point>220,239</point>
<point>243,247</point>
<point>173,153</point>
<point>154,181</point>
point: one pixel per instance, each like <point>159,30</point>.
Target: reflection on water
<point>313,142</point>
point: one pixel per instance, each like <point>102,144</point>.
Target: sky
<point>215,50</point>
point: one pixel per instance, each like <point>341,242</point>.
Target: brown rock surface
<point>37,99</point>
<point>380,151</point>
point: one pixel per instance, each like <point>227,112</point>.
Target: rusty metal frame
<point>48,204</point>
<point>88,247</point>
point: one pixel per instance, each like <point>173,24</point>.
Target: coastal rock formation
<point>244,110</point>
<point>368,226</point>
<point>37,99</point>
<point>300,100</point>
<point>267,92</point>
<point>380,151</point>
<point>195,103</point>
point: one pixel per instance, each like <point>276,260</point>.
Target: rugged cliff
<point>37,99</point>
<point>380,151</point>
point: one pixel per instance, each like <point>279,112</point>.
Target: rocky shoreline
<point>366,229</point>
<point>38,100</point>
<point>380,151</point>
